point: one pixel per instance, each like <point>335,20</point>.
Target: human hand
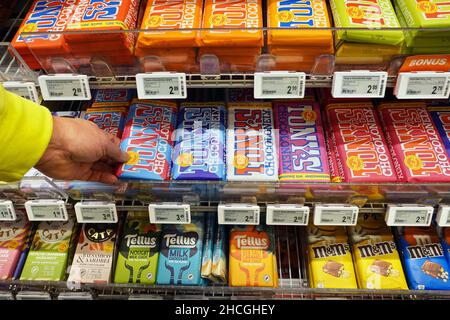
<point>79,150</point>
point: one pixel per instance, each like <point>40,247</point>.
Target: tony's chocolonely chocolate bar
<point>362,153</point>
<point>301,143</point>
<point>251,143</point>
<point>418,152</point>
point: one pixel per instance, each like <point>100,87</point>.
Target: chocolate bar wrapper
<point>425,15</point>
<point>301,143</point>
<point>137,259</point>
<point>114,95</point>
<point>330,258</point>
<point>178,16</point>
<point>208,246</point>
<point>47,258</point>
<point>251,143</point>
<point>300,18</point>
<point>199,149</point>
<point>445,242</point>
<point>148,140</point>
<point>370,15</point>
<point>375,254</point>
<point>110,120</point>
<point>441,119</point>
<point>23,256</point>
<point>13,239</point>
<point>221,17</point>
<point>67,114</point>
<point>219,263</point>
<point>424,260</point>
<point>362,152</point>
<point>252,257</point>
<point>180,256</point>
<point>417,149</point>
<point>94,255</point>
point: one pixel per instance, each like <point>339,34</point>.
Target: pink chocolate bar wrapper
<point>12,240</point>
<point>362,154</point>
<point>417,149</point>
<point>301,146</point>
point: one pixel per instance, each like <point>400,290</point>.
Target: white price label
<point>26,90</point>
<point>161,85</point>
<point>33,295</point>
<point>287,214</point>
<point>46,210</point>
<point>409,215</point>
<point>443,216</point>
<point>279,84</point>
<point>170,213</point>
<point>65,87</point>
<point>335,215</point>
<point>359,84</point>
<point>96,212</point>
<point>7,212</point>
<point>423,85</point>
<point>237,213</point>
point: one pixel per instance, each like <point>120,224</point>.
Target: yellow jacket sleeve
<point>25,132</point>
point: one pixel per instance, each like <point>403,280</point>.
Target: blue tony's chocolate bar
<point>200,142</point>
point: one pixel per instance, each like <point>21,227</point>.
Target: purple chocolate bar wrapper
<point>301,147</point>
<point>199,150</point>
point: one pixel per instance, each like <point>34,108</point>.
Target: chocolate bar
<point>251,143</point>
<point>199,149</point>
<point>435,270</point>
<point>381,267</point>
<point>361,151</point>
<point>110,120</point>
<point>301,143</point>
<point>417,149</point>
<point>333,268</point>
<point>148,140</point>
<point>180,256</point>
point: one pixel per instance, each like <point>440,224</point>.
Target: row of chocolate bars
<point>286,140</point>
<point>232,31</point>
<point>365,256</point>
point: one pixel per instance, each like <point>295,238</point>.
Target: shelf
<point>293,284</point>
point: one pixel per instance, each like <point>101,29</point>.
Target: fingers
<point>113,150</point>
<point>103,167</point>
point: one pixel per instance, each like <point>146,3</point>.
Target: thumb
<point>114,152</point>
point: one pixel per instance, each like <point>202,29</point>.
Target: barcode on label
<point>269,91</point>
<point>348,91</point>
<point>413,92</point>
<point>56,94</point>
<point>381,86</point>
<point>149,92</point>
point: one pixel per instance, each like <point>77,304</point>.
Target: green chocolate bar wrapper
<point>137,259</point>
<point>47,259</point>
<point>434,39</point>
<point>425,14</point>
<point>355,14</point>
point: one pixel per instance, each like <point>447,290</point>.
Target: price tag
<point>409,215</point>
<point>26,90</point>
<point>287,214</point>
<point>423,85</point>
<point>279,84</point>
<point>335,215</point>
<point>443,216</point>
<point>170,213</point>
<point>359,84</point>
<point>161,85</point>
<point>65,87</point>
<point>96,212</point>
<point>238,213</point>
<point>4,295</point>
<point>7,212</point>
<point>46,210</point>
<point>75,296</point>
